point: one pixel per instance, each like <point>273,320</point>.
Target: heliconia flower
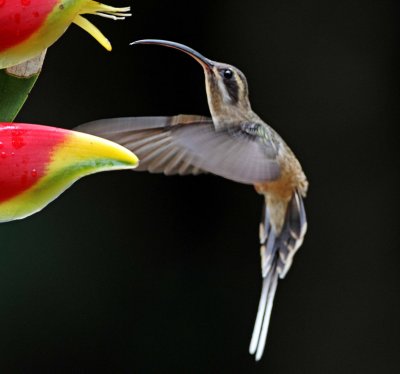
<point>27,27</point>
<point>38,163</point>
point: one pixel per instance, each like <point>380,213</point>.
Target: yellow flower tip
<point>93,30</point>
<point>86,146</point>
<point>102,10</point>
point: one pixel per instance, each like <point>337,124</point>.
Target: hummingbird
<point>235,143</point>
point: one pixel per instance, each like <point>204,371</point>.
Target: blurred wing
<point>151,139</point>
<point>233,154</point>
<point>188,144</point>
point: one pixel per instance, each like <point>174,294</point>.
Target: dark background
<point>137,273</point>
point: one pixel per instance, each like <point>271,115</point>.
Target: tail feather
<point>277,251</point>
<point>259,337</point>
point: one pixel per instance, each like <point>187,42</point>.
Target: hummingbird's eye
<point>227,73</point>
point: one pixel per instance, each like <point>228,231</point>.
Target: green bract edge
<point>15,86</point>
<point>13,94</point>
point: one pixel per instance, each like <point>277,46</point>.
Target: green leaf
<point>15,85</point>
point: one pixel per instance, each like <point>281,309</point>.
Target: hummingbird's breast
<point>291,177</point>
<point>279,192</point>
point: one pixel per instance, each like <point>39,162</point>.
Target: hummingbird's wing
<point>277,251</point>
<point>236,153</point>
<point>151,139</point>
<point>189,144</point>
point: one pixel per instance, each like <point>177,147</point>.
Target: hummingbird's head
<point>227,90</point>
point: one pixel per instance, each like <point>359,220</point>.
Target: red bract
<point>20,19</point>
<point>37,163</point>
<point>27,27</point>
<point>24,155</point>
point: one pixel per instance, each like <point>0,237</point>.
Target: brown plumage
<point>236,144</point>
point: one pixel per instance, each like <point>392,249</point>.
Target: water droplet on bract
<point>3,155</point>
<point>17,141</point>
<point>34,173</point>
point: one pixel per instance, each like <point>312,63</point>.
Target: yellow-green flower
<point>38,163</point>
<point>27,27</point>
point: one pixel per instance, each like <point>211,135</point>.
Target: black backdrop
<point>131,272</point>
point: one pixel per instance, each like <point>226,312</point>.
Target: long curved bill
<point>203,61</point>
<point>38,163</point>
